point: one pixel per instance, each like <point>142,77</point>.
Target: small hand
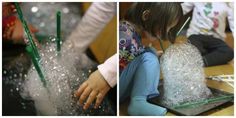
<point>8,9</point>
<point>17,33</point>
<point>95,87</point>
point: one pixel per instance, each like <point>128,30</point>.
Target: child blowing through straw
<point>139,66</point>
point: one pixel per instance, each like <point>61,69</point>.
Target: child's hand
<point>8,8</point>
<point>95,87</point>
<point>17,32</point>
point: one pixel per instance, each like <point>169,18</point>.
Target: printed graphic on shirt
<point>129,44</point>
<point>207,11</point>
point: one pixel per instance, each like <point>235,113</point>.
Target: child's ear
<point>145,15</point>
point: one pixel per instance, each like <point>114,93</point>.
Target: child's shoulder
<point>126,26</point>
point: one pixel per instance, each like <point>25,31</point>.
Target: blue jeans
<point>213,50</point>
<point>140,77</point>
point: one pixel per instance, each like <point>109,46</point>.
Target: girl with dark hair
<point>139,66</point>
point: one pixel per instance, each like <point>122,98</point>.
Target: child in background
<point>139,66</point>
<point>207,30</point>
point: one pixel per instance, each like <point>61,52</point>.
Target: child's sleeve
<point>230,17</point>
<point>92,23</point>
<point>130,44</point>
<point>187,7</point>
<point>109,70</point>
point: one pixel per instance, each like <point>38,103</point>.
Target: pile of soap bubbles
<point>43,16</point>
<point>64,72</point>
<point>183,74</point>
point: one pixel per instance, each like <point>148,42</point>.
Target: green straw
<point>58,31</point>
<point>183,26</point>
<point>176,34</point>
<point>161,45</point>
<point>202,102</point>
<point>36,65</point>
<point>26,28</point>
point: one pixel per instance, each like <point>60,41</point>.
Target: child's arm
<point>100,81</point>
<point>108,70</point>
<point>92,23</point>
<point>187,7</point>
<point>230,17</point>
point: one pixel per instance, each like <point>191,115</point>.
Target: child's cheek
<point>149,36</point>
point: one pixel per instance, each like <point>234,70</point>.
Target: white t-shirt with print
<point>209,18</point>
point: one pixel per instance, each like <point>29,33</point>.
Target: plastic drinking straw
<point>36,65</point>
<point>176,34</point>
<point>26,28</point>
<point>202,102</point>
<point>58,31</point>
<point>182,26</point>
<point>161,45</point>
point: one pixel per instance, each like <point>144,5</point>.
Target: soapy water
<point>64,73</point>
<point>183,74</point>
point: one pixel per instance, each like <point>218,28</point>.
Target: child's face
<point>172,25</point>
<point>152,38</point>
<point>149,36</point>
<point>168,29</point>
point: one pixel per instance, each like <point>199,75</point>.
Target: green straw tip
<point>58,13</point>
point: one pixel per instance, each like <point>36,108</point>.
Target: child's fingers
<point>99,100</point>
<point>90,99</point>
<point>9,33</point>
<point>13,8</point>
<point>84,95</point>
<point>81,89</point>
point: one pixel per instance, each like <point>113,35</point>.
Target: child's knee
<point>230,53</point>
<point>150,59</point>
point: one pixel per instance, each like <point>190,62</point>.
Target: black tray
<point>192,110</point>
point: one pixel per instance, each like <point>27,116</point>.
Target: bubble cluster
<point>64,72</point>
<point>43,16</point>
<point>183,74</point>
